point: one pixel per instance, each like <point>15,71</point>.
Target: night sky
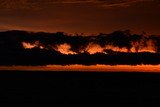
<point>80,16</point>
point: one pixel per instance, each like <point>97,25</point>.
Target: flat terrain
<point>79,88</point>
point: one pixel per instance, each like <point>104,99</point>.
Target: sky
<point>80,16</point>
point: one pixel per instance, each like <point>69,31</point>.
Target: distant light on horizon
<point>92,68</point>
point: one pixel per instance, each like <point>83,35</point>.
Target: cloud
<point>122,3</point>
<point>85,1</point>
<point>34,4</point>
<point>119,47</point>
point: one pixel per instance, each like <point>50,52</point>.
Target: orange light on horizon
<point>106,68</point>
<point>83,68</point>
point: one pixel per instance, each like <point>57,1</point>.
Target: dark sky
<point>81,16</point>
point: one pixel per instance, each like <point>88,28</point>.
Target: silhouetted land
<point>79,88</point>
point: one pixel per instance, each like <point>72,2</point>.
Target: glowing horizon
<point>92,68</point>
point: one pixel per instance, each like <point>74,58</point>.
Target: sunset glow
<point>107,68</point>
<point>65,49</point>
<point>98,33</point>
<point>93,68</point>
<point>94,48</point>
<point>28,45</point>
<point>81,16</point>
<point>80,52</point>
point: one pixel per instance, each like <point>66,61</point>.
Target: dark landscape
<point>79,88</point>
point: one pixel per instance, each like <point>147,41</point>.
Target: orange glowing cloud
<point>94,48</point>
<point>116,49</point>
<point>65,49</point>
<point>150,46</point>
<point>27,45</point>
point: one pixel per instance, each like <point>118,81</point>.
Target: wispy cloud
<point>122,3</point>
<point>11,4</point>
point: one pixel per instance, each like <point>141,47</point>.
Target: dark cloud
<point>119,47</point>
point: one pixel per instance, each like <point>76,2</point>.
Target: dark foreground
<point>45,89</point>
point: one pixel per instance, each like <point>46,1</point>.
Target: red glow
<point>93,68</point>
<point>65,49</point>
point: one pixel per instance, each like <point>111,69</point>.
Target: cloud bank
<point>118,47</point>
